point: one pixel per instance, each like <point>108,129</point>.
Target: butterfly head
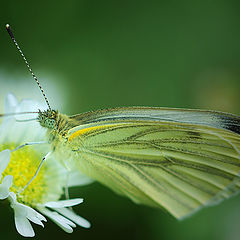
<point>48,118</point>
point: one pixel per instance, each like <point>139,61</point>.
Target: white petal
<point>7,181</point>
<point>23,226</point>
<point>23,214</point>
<point>64,203</point>
<point>61,221</point>
<point>7,130</point>
<point>5,156</point>
<point>10,103</point>
<point>12,197</point>
<point>74,217</point>
<point>27,105</point>
<point>36,219</point>
<point>34,216</point>
<point>29,213</point>
<point>78,179</point>
<point>41,217</point>
<point>4,187</point>
<point>4,192</point>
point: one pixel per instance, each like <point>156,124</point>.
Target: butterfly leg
<point>66,190</point>
<point>36,173</point>
<point>66,186</point>
<point>27,144</point>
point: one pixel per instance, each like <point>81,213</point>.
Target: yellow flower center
<point>22,166</point>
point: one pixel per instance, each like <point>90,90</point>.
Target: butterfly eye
<point>50,123</point>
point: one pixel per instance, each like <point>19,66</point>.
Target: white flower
<point>18,167</point>
<point>24,214</point>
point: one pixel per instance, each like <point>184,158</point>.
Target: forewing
<point>171,164</point>
<point>199,117</point>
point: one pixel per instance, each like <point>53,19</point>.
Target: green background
<point>98,54</point>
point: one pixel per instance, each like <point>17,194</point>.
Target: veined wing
<point>200,117</point>
<point>177,165</point>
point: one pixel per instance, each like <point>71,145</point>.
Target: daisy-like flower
<point>17,167</point>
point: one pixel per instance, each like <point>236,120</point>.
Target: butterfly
<point>176,159</point>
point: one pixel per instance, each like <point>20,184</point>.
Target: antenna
<point>26,62</point>
<point>17,113</point>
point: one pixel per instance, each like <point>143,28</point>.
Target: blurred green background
<point>98,54</point>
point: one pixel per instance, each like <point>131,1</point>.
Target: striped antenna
<point>28,66</point>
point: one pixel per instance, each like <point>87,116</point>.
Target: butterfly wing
<point>180,160</point>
